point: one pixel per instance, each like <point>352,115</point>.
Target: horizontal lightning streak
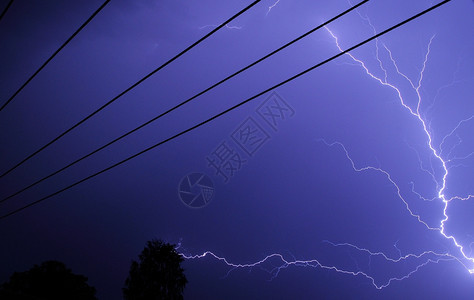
<point>226,26</point>
<point>316,263</point>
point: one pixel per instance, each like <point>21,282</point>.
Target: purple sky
<point>295,192</point>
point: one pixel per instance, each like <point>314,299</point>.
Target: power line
<point>54,54</point>
<point>5,10</point>
<point>186,101</point>
<point>130,88</point>
<point>229,109</point>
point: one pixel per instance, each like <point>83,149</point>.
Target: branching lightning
<point>314,263</point>
<point>436,151</point>
<point>442,156</point>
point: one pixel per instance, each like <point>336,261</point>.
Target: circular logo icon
<point>196,190</point>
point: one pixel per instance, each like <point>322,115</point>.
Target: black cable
<point>5,10</point>
<point>54,54</point>
<point>186,101</point>
<point>130,88</point>
<point>229,109</point>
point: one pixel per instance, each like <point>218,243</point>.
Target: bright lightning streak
<point>271,7</point>
<point>428,256</point>
<point>405,257</point>
<point>315,264</point>
<point>389,177</point>
<point>226,26</point>
<point>284,263</point>
<point>416,113</point>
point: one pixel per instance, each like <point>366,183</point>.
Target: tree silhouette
<point>49,281</point>
<point>157,275</point>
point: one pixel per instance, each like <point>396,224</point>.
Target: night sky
<point>331,186</point>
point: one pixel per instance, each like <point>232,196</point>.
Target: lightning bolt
<point>442,156</point>
<point>271,7</point>
<point>268,263</point>
<point>415,112</point>
<point>226,26</point>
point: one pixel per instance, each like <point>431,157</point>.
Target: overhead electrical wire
<point>5,10</point>
<point>128,89</point>
<point>186,101</point>
<point>53,55</point>
<point>227,110</point>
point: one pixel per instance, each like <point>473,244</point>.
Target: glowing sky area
<point>363,191</point>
